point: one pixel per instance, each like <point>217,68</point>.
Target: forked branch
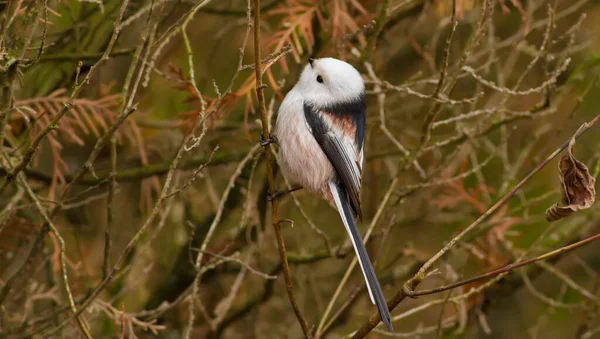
<point>411,284</point>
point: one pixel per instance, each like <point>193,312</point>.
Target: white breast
<point>300,157</point>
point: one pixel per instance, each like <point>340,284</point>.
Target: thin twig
<point>27,156</point>
<point>270,59</point>
<point>568,281</point>
<point>145,171</point>
<point>235,258</point>
<point>110,215</point>
<point>412,283</point>
<point>448,180</point>
<point>439,88</point>
<point>44,31</point>
<point>221,208</point>
<point>85,56</point>
<point>195,174</point>
<point>514,266</point>
<point>62,250</point>
<point>382,119</point>
<point>165,191</point>
<point>509,91</point>
<point>371,45</point>
<point>445,60</point>
<point>270,169</point>
<point>540,296</point>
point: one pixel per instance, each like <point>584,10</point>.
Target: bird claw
<point>280,194</point>
<point>271,140</point>
<point>275,195</point>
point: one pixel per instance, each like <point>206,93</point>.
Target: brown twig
<point>443,72</point>
<point>112,176</point>
<point>514,266</point>
<point>412,283</point>
<point>221,207</point>
<point>166,189</point>
<point>439,89</point>
<point>270,175</point>
<point>145,171</point>
<point>122,321</point>
<point>195,174</point>
<point>62,250</point>
<point>44,31</point>
<point>537,89</point>
<point>367,53</point>
<point>48,226</point>
<point>271,58</point>
<point>381,97</point>
<point>85,56</point>
<point>27,156</point>
<point>110,214</point>
<point>235,258</point>
<point>6,99</point>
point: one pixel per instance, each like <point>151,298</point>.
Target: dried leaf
<point>577,187</point>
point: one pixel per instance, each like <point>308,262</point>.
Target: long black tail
<point>377,298</point>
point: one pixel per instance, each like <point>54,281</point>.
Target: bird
<point>320,131</point>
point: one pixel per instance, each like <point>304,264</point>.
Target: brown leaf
<point>577,187</point>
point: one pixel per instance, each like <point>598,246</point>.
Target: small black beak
<point>310,61</point>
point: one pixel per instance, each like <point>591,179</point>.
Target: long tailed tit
<point>320,130</point>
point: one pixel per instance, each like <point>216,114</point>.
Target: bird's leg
<point>281,194</point>
<point>271,140</point>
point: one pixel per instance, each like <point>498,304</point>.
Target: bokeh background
<point>190,228</point>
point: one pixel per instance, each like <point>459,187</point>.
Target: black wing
<point>339,130</point>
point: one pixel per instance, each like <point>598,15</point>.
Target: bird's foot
<point>274,195</point>
<point>279,194</point>
<point>271,140</point>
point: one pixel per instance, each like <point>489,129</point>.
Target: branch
<point>142,172</point>
<point>270,164</point>
<point>511,267</point>
<point>66,107</point>
<point>508,91</point>
<point>439,88</point>
<point>246,307</point>
<point>46,227</point>
<point>239,12</point>
<point>412,283</point>
<point>379,23</point>
<point>61,249</point>
<point>542,108</point>
<point>84,56</point>
<point>110,214</point>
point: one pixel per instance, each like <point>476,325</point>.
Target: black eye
<point>319,79</point>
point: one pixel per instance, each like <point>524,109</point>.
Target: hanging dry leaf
<point>577,188</point>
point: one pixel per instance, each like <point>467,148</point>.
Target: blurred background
<point>131,168</point>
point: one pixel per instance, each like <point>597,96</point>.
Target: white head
<point>330,81</point>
